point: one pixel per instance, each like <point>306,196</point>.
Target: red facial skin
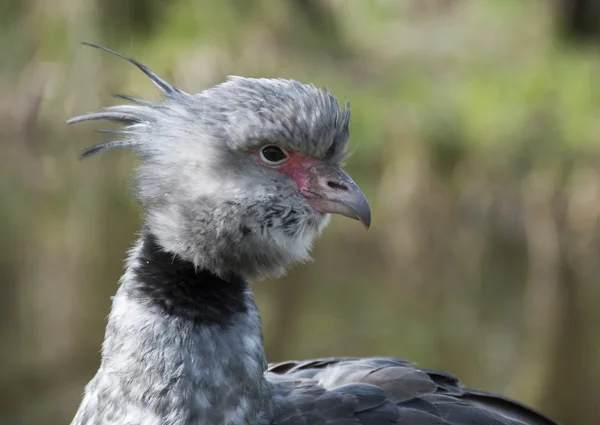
<point>326,187</point>
<point>298,168</point>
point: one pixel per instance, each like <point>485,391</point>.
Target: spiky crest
<point>138,113</point>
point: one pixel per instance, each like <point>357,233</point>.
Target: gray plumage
<point>183,343</point>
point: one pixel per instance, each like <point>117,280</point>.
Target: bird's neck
<point>182,346</point>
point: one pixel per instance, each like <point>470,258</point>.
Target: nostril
<point>337,186</point>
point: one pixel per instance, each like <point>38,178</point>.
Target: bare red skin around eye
<point>297,167</point>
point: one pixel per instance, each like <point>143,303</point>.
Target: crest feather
<point>104,146</point>
<point>140,112</point>
<point>160,83</point>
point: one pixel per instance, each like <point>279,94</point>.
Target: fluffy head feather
<point>205,196</point>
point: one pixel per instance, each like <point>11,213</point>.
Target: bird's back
<point>378,391</point>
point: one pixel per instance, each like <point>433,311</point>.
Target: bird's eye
<point>273,155</point>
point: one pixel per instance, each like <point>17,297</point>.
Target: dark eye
<point>273,155</point>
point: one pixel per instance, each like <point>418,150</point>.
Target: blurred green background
<point>476,130</point>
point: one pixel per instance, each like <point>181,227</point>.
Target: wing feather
<point>384,391</point>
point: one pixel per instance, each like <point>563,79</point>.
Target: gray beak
<point>335,192</point>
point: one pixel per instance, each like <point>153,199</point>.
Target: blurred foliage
<point>476,129</point>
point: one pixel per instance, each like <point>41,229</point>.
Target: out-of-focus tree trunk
<point>318,15</point>
<point>287,301</point>
<point>316,18</point>
<point>579,19</point>
<point>570,393</point>
<point>135,17</point>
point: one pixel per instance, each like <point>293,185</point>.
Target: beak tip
<point>362,211</point>
<point>365,221</point>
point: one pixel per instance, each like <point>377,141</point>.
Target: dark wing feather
<point>384,391</point>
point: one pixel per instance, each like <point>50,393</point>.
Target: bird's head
<point>241,177</point>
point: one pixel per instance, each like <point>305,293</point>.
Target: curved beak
<point>333,191</point>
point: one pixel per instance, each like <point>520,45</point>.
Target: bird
<point>235,183</point>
